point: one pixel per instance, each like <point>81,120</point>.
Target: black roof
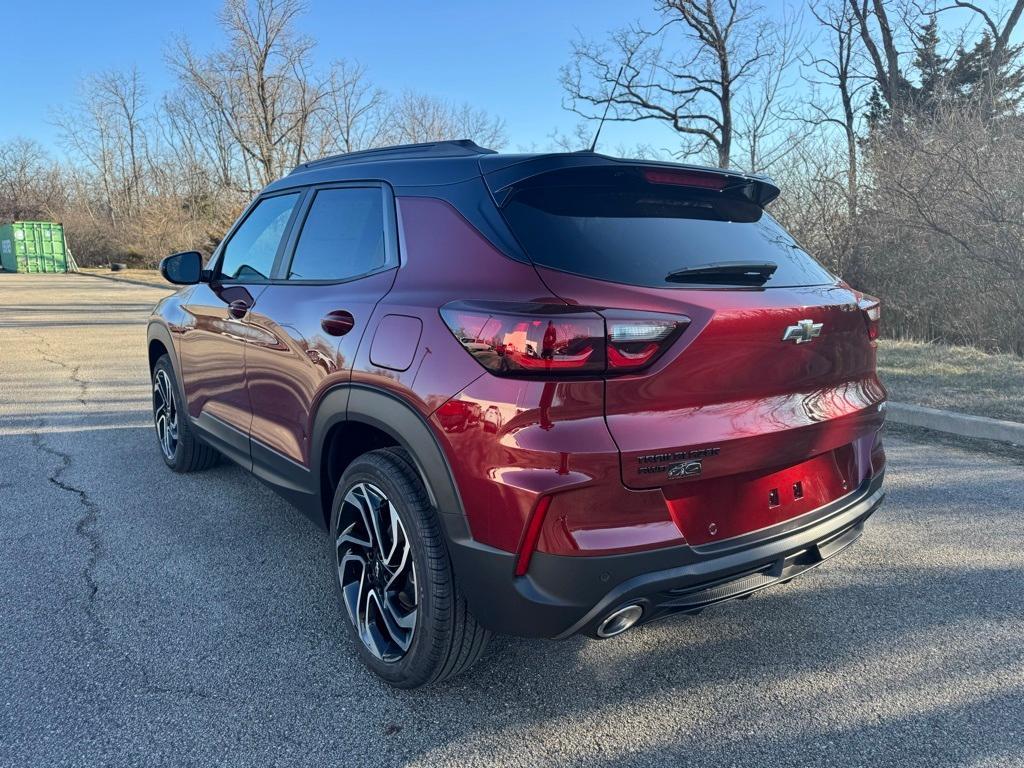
<point>450,162</point>
<point>453,148</point>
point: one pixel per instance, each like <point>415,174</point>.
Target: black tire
<point>188,453</point>
<point>446,639</point>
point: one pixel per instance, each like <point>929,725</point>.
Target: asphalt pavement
<point>148,618</point>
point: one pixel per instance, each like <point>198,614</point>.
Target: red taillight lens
<point>686,178</point>
<point>528,339</point>
<point>556,339</point>
<point>872,309</point>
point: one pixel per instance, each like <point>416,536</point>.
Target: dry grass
<point>954,378</point>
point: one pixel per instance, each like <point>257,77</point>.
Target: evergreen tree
<point>877,113</point>
<point>995,83</point>
<point>932,66</point>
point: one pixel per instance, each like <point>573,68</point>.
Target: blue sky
<point>501,56</point>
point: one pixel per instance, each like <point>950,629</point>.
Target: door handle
<point>337,323</point>
<point>238,308</point>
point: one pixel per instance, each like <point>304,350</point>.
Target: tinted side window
<point>343,236</point>
<point>250,253</point>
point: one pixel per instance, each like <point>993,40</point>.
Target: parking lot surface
<point>151,619</point>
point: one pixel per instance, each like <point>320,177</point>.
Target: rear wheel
<point>181,449</point>
<point>409,621</point>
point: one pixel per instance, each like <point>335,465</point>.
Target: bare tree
<point>124,95</point>
<point>260,87</point>
<point>580,137</point>
<point>355,115</point>
<point>107,130</point>
<point>685,73</point>
<point>200,140</point>
<point>999,29</point>
<point>878,35</point>
<point>814,204</point>
<point>30,186</point>
<point>834,70</point>
<point>947,202</point>
<point>417,117</point>
<point>765,130</point>
<point>147,177</point>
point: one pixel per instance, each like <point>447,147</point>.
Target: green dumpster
<point>33,246</point>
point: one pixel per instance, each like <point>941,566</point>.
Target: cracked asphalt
<point>154,619</point>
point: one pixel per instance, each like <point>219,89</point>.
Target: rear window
<point>613,225</point>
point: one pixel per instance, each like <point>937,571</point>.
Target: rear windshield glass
<point>615,226</point>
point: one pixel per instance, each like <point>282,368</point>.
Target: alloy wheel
<point>376,571</point>
<point>165,414</point>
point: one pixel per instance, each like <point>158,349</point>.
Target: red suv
<point>539,395</point>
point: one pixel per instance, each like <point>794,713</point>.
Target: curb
<point>128,280</point>
<point>953,423</point>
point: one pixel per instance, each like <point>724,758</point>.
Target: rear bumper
<point>563,596</point>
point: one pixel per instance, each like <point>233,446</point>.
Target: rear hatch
<point>767,406</point>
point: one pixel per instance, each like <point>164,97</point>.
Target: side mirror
<point>183,268</point>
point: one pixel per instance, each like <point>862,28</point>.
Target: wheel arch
<point>157,349</point>
<point>159,341</point>
<point>382,418</point>
<point>481,572</point>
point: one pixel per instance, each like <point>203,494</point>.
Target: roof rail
<point>453,148</point>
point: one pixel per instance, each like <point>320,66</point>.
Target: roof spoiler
<point>503,172</point>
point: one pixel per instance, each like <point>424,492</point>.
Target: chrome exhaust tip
<point>618,621</point>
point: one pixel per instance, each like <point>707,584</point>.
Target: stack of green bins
<point>33,246</point>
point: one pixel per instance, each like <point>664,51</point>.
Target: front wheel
<point>409,621</point>
<point>181,449</point>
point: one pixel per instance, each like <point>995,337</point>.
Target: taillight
<point>511,339</point>
<point>872,309</point>
<point>635,340</point>
<point>528,339</point>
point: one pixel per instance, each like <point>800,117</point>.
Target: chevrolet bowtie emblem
<point>804,331</point>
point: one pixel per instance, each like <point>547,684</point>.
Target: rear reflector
<point>559,340</point>
<point>532,534</point>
